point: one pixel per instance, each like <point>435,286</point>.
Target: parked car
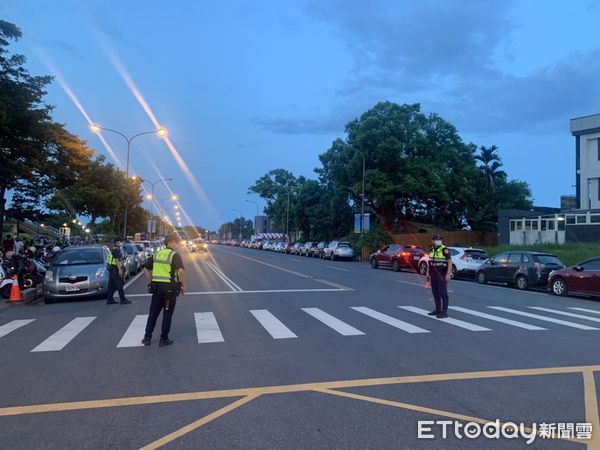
<point>338,250</point>
<point>307,248</point>
<point>465,261</point>
<point>143,253</point>
<point>519,268</point>
<point>316,252</point>
<point>147,247</point>
<point>77,272</point>
<point>135,258</point>
<point>582,279</point>
<point>397,257</point>
<point>295,250</point>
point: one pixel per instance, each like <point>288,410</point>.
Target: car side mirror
<point>578,268</point>
<point>491,262</point>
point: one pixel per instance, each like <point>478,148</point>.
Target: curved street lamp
<point>162,132</point>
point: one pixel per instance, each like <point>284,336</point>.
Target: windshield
<point>476,254</point>
<point>79,256</point>
<point>128,248</point>
<point>343,245</point>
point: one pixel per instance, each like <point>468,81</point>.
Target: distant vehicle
<point>77,272</point>
<point>317,251</point>
<point>465,261</point>
<point>519,268</point>
<point>307,248</point>
<point>397,257</point>
<point>182,235</point>
<point>582,279</point>
<point>135,258</point>
<point>338,250</point>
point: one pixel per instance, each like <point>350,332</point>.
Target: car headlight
<point>205,246</point>
<point>100,272</point>
<point>49,276</point>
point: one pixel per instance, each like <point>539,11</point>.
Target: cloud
<point>65,47</point>
<point>284,125</point>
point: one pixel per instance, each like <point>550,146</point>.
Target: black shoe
<point>146,341</point>
<point>442,315</point>
<point>125,302</point>
<point>435,312</point>
<point>111,302</point>
<point>164,342</point>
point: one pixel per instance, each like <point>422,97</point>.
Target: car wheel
<point>396,265</point>
<point>559,287</point>
<point>332,256</point>
<point>423,268</point>
<point>453,272</point>
<point>481,278</point>
<point>374,264</point>
<point>522,282</point>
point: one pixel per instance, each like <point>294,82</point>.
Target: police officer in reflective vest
<point>166,274</point>
<point>115,274</point>
<point>439,271</point>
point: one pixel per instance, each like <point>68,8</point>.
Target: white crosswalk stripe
<point>13,325</point>
<point>332,322</point>
<point>593,311</point>
<point>135,333</point>
<point>448,320</point>
<point>66,334</point>
<point>514,323</point>
<point>564,313</point>
<point>272,324</point>
<point>396,323</point>
<point>544,318</point>
<point>207,328</point>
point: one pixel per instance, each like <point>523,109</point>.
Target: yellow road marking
<point>198,423</point>
<point>426,410</point>
<point>591,407</point>
<point>283,389</point>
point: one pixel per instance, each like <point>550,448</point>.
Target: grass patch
<point>569,254</point>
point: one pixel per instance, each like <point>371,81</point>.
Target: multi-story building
<point>587,161</point>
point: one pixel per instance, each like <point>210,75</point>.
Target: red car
<point>397,257</point>
<point>582,279</point>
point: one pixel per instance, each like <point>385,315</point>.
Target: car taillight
<point>404,254</point>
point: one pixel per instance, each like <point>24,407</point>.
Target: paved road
<point>277,351</point>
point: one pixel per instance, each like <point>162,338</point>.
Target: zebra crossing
<point>208,324</point>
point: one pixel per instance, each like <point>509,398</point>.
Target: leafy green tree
<point>275,187</point>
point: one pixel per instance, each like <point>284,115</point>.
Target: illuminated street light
<point>64,224</point>
<point>176,206</point>
<point>160,131</point>
<point>74,221</point>
<point>149,196</point>
<point>87,230</point>
<point>174,197</point>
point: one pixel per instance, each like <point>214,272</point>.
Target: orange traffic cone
<point>15,291</point>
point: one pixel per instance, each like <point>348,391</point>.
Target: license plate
<point>416,258</point>
<point>72,288</point>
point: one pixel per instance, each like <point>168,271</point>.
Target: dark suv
<point>397,257</point>
<point>518,268</point>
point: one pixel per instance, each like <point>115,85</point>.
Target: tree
<point>274,188</point>
<point>491,164</point>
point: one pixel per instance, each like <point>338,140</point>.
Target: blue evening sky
<point>249,86</point>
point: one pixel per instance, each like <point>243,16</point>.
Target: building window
<point>534,225</point>
<point>595,218</point>
<point>570,220</point>
<point>581,219</point>
<point>551,225</point>
<point>528,225</point>
<point>512,225</point>
<point>561,225</point>
<point>519,225</point>
<point>543,222</point>
<point>598,145</point>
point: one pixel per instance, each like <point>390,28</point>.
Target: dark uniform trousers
<point>115,283</point>
<point>163,297</point>
<point>439,289</point>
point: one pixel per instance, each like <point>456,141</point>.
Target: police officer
<point>439,271</point>
<point>166,274</point>
<point>115,274</point>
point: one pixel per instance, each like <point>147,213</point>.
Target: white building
<point>587,159</point>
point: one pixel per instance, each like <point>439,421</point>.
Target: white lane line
<point>218,268</point>
<point>593,311</point>
<point>514,323</point>
<point>135,333</point>
<point>13,325</point>
<point>132,280</point>
<point>221,275</point>
<point>66,334</point>
<point>449,320</point>
<point>564,313</point>
<point>207,328</point>
<point>396,323</point>
<point>272,324</point>
<point>269,265</point>
<point>543,318</point>
<point>262,291</point>
<point>492,286</point>
<point>418,284</point>
<point>337,268</point>
<point>333,322</point>
<point>331,283</point>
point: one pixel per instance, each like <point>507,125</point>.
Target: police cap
<point>436,236</point>
<point>118,239</point>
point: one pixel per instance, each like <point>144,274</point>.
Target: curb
<point>30,297</point>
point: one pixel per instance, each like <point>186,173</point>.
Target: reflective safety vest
<point>111,260</point>
<point>161,268</point>
<point>437,259</point>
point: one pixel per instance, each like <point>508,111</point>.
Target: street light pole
<point>255,225</point>
<point>152,184</point>
<point>162,132</point>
